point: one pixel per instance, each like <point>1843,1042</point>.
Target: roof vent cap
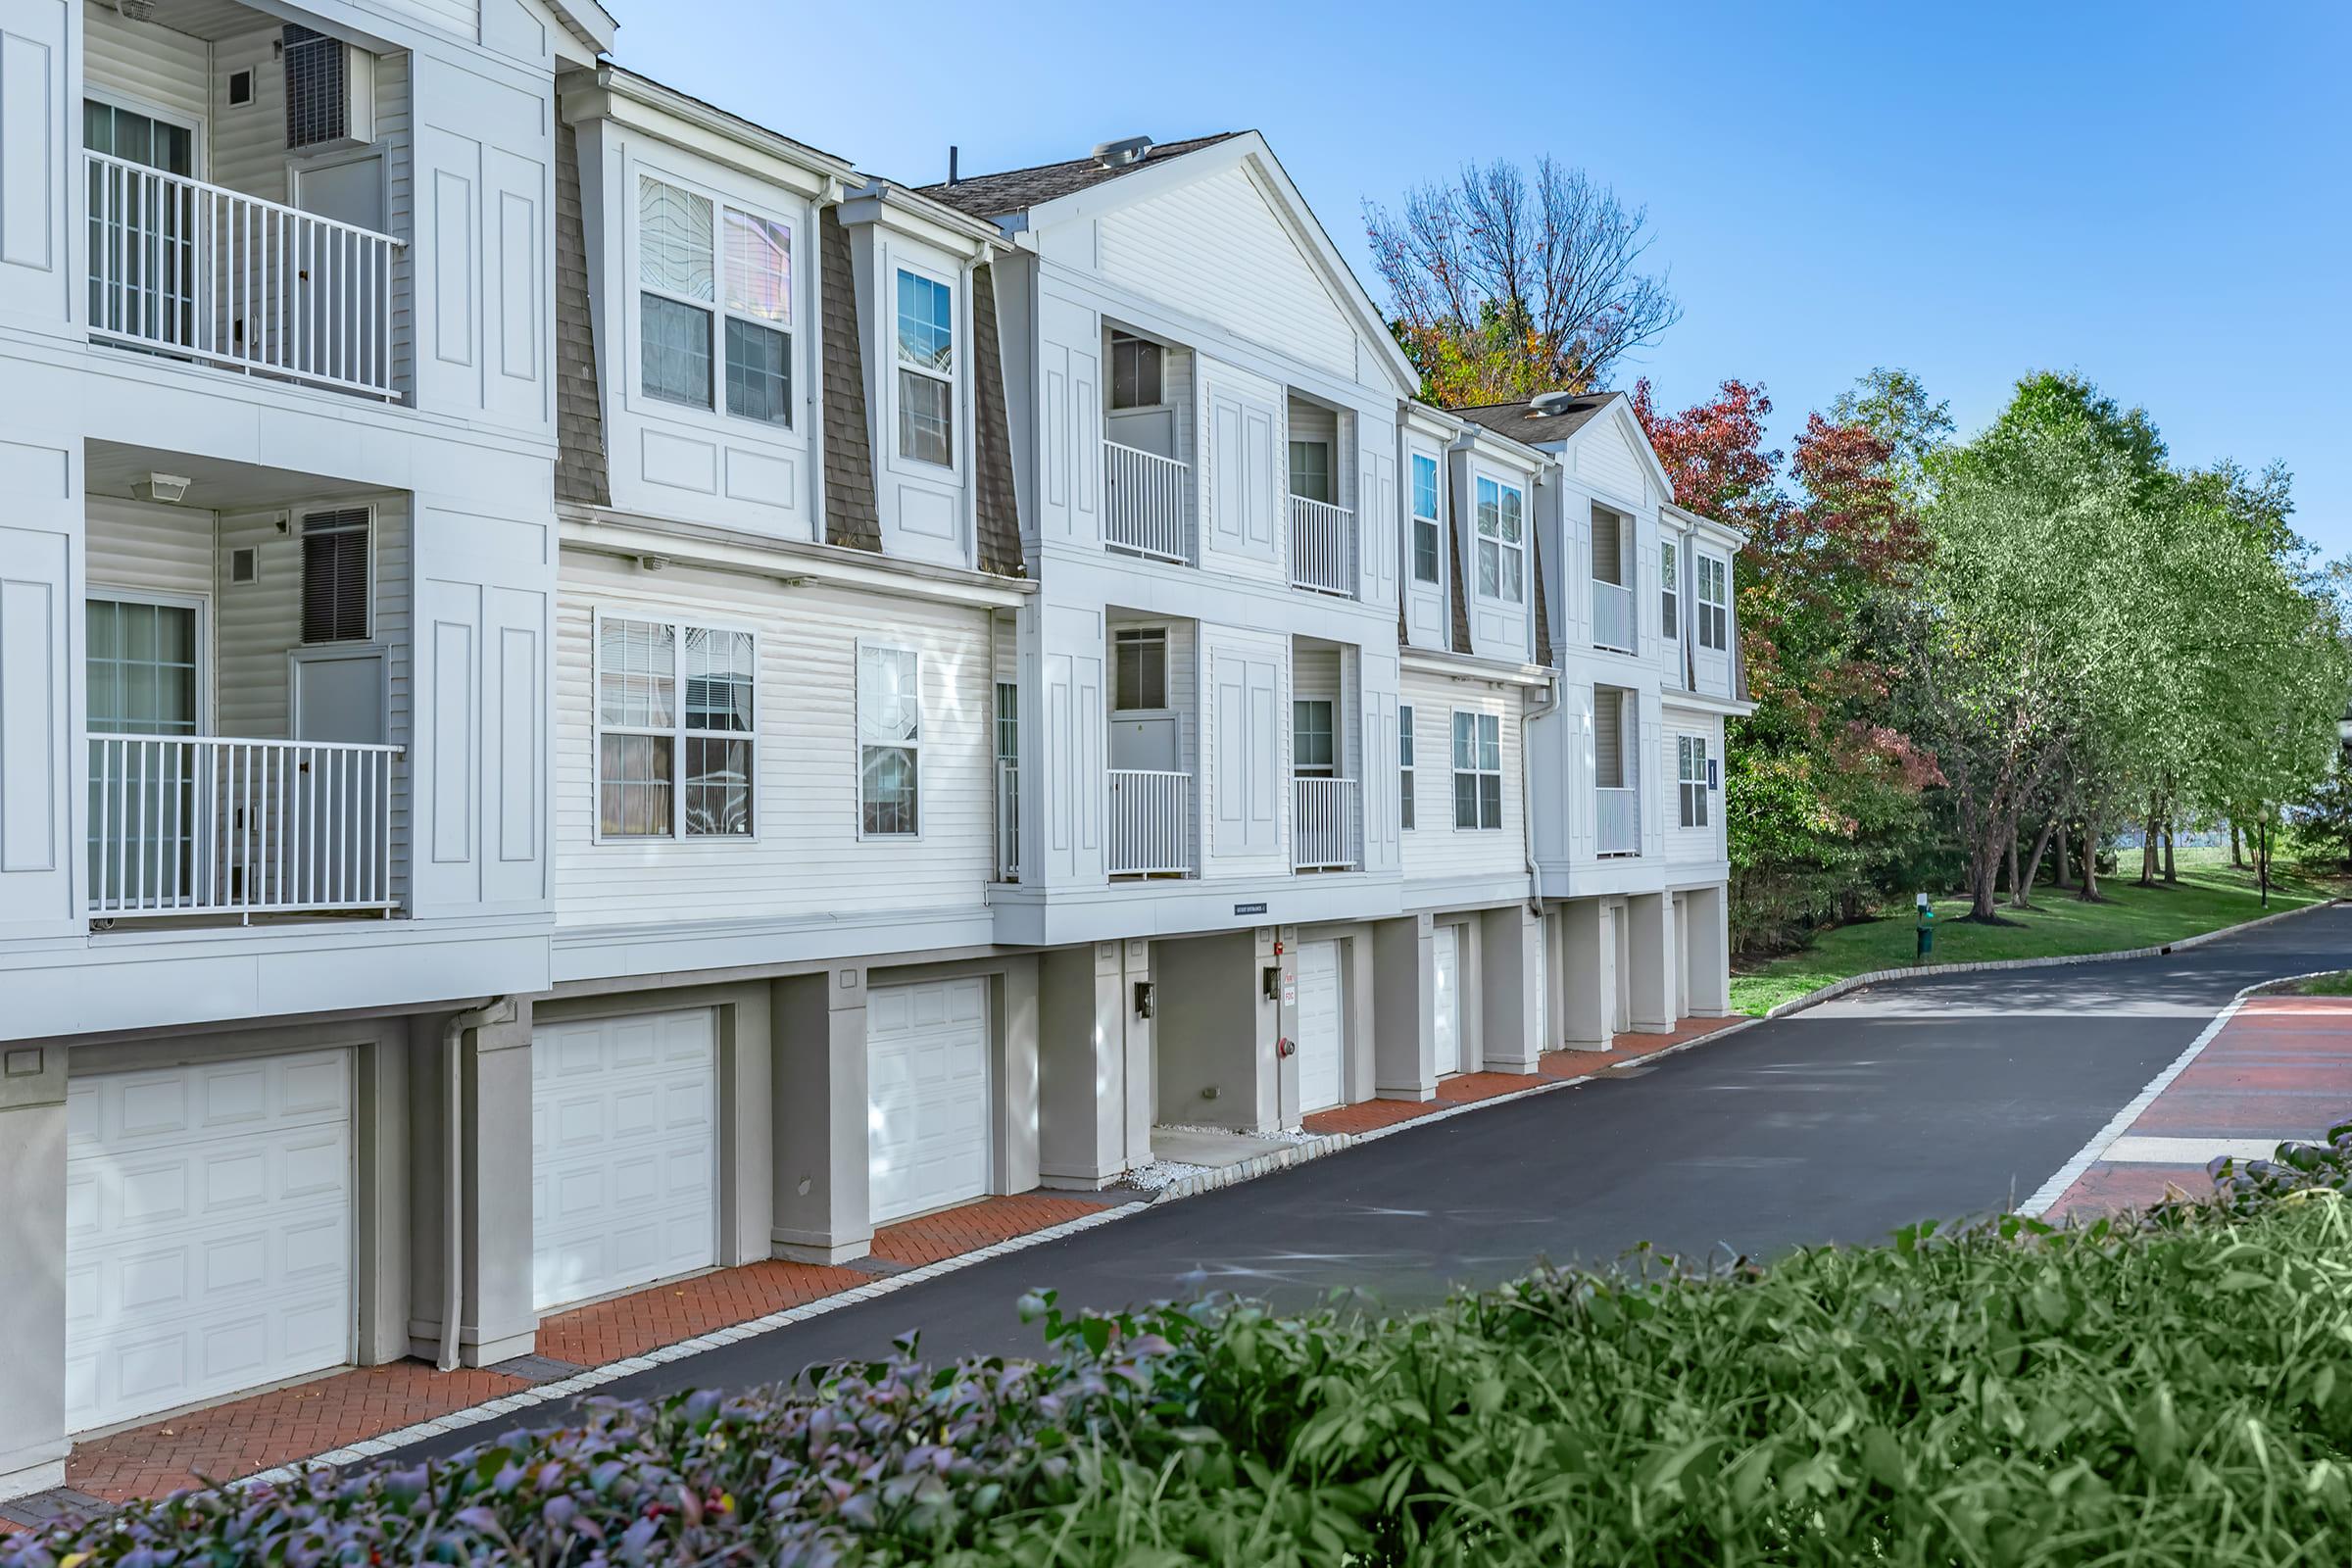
<point>1125,153</point>
<point>1546,403</point>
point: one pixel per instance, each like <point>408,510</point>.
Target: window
<point>1714,603</point>
<point>890,715</point>
<point>1140,670</point>
<point>1690,753</point>
<point>1134,381</point>
<point>1008,722</point>
<point>1501,547</point>
<point>1404,768</point>
<point>1670,586</point>
<point>683,291</point>
<point>926,369</point>
<point>1310,470</point>
<point>334,576</point>
<point>645,731</point>
<point>1477,770</point>
<point>1426,550</point>
<point>1310,737</point>
<point>1608,547</point>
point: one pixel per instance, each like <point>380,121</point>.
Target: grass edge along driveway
<point>2210,897</point>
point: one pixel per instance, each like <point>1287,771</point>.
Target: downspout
<point>500,1009</point>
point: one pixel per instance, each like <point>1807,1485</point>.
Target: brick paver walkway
<point>972,1226</point>
<point>2280,1069</point>
<point>631,1325</point>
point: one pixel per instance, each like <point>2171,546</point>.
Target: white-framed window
<point>890,733</point>
<point>1670,590</point>
<point>1501,541</point>
<point>1314,753</point>
<point>1477,769</point>
<point>1404,768</point>
<point>713,290</point>
<point>1310,470</point>
<point>1138,675</point>
<point>926,359</point>
<point>677,731</point>
<point>335,597</point>
<point>1714,603</point>
<point>1136,381</point>
<point>1691,756</point>
<point>1428,553</point>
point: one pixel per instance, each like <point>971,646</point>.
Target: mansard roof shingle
<point>1016,190</point>
<point>1521,422</point>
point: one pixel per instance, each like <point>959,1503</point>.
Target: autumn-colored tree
<point>1501,286</point>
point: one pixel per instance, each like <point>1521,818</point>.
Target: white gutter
<point>500,1009</point>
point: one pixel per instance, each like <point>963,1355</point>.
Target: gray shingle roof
<point>1521,422</point>
<point>1016,190</point>
<point>580,471</point>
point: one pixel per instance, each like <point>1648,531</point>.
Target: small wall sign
<point>1249,908</point>
<point>1714,774</point>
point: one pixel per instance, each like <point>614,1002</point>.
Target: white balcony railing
<point>1613,616</point>
<point>205,825</point>
<point>1008,820</point>
<point>1146,503</point>
<point>209,274</point>
<point>1618,828</point>
<point>1324,821</point>
<point>1322,547</point>
<point>1150,823</point>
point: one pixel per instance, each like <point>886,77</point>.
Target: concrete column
<point>822,1200</point>
<point>1510,1010</point>
<point>1083,1007</point>
<point>384,1150</point>
<point>1650,948</point>
<point>1587,982</point>
<point>32,1277</point>
<point>1014,1003</point>
<point>747,1114</point>
<point>1141,1053</point>
<point>496,1319</point>
<point>1405,1038</point>
<point>1707,913</point>
<point>1360,1078</point>
<point>1216,1030</point>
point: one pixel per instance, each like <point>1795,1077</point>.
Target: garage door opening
<point>1322,1037</point>
<point>927,1097</point>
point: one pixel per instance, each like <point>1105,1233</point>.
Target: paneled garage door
<point>624,1154</point>
<point>1446,943</point>
<point>208,1232</point>
<point>927,1139</point>
<point>1322,1053</point>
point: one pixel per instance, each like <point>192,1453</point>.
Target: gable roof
<point>1016,190</point>
<point>1521,422</point>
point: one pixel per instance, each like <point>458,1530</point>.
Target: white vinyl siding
<point>1436,849</point>
<point>808,859</point>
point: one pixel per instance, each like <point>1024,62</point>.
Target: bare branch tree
<point>1501,287</point>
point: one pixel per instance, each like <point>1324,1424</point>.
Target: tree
<point>1892,405</point>
<point>1501,287</point>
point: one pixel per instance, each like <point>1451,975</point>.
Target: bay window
<point>675,729</point>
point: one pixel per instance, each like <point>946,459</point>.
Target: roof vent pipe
<point>1124,153</point>
<point>950,163</point>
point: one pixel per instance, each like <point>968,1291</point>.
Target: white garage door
<point>927,1088</point>
<point>624,1154</point>
<point>208,1232</point>
<point>1321,1051</point>
<point>1446,941</point>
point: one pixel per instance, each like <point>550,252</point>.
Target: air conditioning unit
<point>330,92</point>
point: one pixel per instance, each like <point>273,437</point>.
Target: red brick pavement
<point>972,1226</point>
<point>2105,1188</point>
<point>646,1320</point>
<point>265,1430</point>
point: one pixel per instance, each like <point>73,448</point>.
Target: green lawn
<point>2339,984</point>
<point>2211,896</point>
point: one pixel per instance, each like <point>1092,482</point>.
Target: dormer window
<point>1714,604</point>
<point>926,369</point>
<point>684,292</point>
<point>1135,372</point>
<point>1426,550</point>
<point>1501,541</point>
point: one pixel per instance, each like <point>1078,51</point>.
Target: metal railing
<point>1324,818</point>
<point>1613,616</point>
<point>212,273</point>
<point>1322,547</point>
<point>1146,503</point>
<point>1149,829</point>
<point>1008,820</point>
<point>1617,828</point>
<point>203,824</point>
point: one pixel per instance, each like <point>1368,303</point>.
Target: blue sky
<point>2154,195</point>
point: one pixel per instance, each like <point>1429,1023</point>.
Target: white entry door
<point>927,1078</point>
<point>1446,941</point>
<point>208,1232</point>
<point>624,1154</point>
<point>1322,1042</point>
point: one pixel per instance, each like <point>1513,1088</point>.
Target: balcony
<point>199,271</point>
<point>1326,825</point>
<point>1617,821</point>
<point>1322,547</point>
<point>1613,616</point>
<point>1150,823</point>
<point>1147,508</point>
<point>212,825</point>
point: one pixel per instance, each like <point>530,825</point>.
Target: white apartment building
<point>589,693</point>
